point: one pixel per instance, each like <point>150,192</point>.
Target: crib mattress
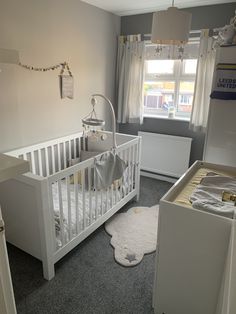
<point>183,198</point>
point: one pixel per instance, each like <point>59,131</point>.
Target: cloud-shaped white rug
<point>134,234</point>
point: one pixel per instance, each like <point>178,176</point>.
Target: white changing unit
<point>192,251</point>
<point>9,167</point>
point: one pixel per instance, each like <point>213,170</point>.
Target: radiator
<point>165,155</point>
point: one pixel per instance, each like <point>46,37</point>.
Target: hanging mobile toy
<point>91,119</point>
<point>91,124</point>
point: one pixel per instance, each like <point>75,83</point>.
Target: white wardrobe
<point>220,143</point>
<point>220,148</point>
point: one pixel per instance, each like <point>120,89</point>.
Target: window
<point>169,86</point>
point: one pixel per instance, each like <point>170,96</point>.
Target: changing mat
<point>183,198</point>
<point>207,195</point>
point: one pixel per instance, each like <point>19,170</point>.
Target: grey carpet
<point>88,280</point>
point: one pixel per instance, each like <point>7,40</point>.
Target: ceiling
<point>129,7</point>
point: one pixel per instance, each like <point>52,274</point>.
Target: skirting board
<point>157,176</point>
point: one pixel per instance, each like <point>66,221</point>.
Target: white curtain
<point>130,79</point>
<point>203,84</point>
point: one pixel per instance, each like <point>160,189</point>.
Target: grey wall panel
<point>210,16</point>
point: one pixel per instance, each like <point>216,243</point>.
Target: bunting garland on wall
<point>32,68</point>
<point>66,81</point>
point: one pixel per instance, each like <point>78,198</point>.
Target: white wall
<point>47,32</point>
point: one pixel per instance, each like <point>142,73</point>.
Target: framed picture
<point>67,86</point>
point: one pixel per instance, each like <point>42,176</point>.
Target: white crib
<point>52,209</point>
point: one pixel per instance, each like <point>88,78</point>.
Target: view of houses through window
<point>169,88</point>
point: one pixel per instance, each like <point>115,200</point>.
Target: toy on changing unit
<point>227,34</point>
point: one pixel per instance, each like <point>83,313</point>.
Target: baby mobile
<point>66,81</point>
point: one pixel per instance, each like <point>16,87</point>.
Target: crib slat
<point>51,207</point>
<point>136,163</point>
<point>59,156</point>
<point>40,162</point>
<point>76,202</point>
<point>79,146</point>
<point>96,196</point>
<point>64,154</point>
<point>83,197</point>
<point>107,199</point>
<point>102,205</point>
<point>47,161</point>
<point>53,159</point>
<point>33,162</point>
<point>119,186</point>
<point>116,191</point>
<point>112,195</point>
<point>74,144</point>
<point>62,227</point>
<point>125,178</point>
<point>99,203</point>
<point>69,206</point>
<point>90,196</point>
<point>70,150</point>
<point>129,169</point>
<point>132,168</point>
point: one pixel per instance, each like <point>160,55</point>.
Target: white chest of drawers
<point>9,167</point>
<point>195,253</point>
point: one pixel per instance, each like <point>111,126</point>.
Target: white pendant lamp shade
<point>171,27</point>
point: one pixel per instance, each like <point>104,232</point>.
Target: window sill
<point>166,118</point>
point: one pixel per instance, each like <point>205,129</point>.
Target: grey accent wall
<point>202,17</point>
<point>45,33</point>
<point>210,16</point>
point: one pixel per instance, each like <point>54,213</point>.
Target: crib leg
<point>48,270</point>
<point>136,198</point>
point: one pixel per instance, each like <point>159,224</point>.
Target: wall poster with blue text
<point>224,86</point>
